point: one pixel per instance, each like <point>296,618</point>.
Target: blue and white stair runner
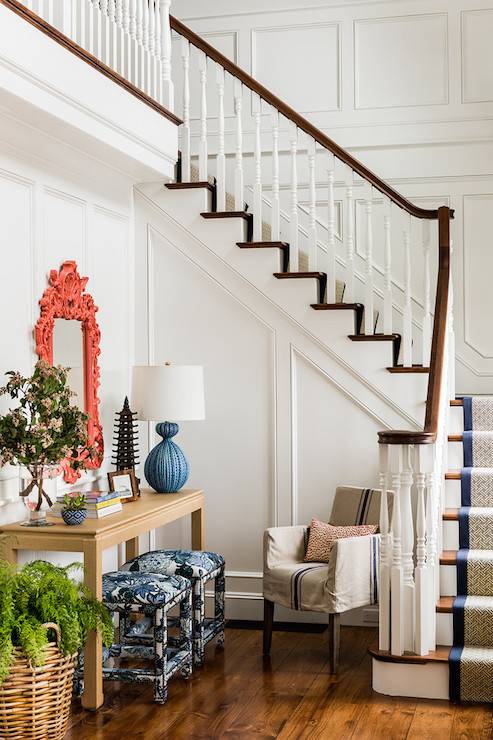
<point>471,657</point>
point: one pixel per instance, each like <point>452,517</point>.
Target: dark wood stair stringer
<point>321,278</point>
<point>282,246</point>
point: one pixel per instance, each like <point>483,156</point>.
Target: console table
<point>150,511</point>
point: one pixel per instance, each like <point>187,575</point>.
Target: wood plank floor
<point>238,695</point>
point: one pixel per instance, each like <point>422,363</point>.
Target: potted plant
<point>42,431</point>
<point>74,508</point>
<point>45,616</point>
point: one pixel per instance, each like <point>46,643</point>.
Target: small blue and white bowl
<point>74,516</point>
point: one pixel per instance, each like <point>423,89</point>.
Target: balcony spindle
<point>168,87</point>
<point>146,56</point>
<point>221,158</point>
<point>238,96</point>
<point>133,44</point>
<point>331,240</point>
<point>293,213</point>
<point>396,574</point>
<point>139,35</point>
<point>124,67</point>
<point>385,553</point>
<point>407,326</point>
<point>158,51</point>
<point>427,296</point>
<point>257,188</point>
<point>49,11</point>
<point>185,129</point>
<point>312,229</point>
<point>349,290</point>
<point>112,34</point>
<point>203,117</point>
<point>105,33</point>
<point>275,217</point>
<point>152,51</point>
<point>387,278</point>
<point>369,325</point>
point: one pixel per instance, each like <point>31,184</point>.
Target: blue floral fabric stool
<point>153,594</point>
<point>199,567</point>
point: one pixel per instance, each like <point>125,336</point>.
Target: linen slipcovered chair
<point>349,580</point>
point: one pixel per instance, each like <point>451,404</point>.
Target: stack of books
<point>98,504</point>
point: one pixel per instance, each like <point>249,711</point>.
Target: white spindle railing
<point>238,96</point>
<point>221,156</point>
<point>331,241</point>
<point>369,289</point>
<point>203,163</point>
<point>276,215</point>
<point>185,129</point>
<point>257,187</point>
<point>312,232</point>
<point>426,332</point>
<point>349,292</point>
<point>293,211</point>
<point>407,319</point>
<point>387,287</point>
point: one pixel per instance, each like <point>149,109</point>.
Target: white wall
<point>57,203</point>
<point>406,86</point>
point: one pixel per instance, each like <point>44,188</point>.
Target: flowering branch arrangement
<point>44,428</point>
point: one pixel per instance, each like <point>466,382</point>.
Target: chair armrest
<point>352,578</point>
<point>284,545</point>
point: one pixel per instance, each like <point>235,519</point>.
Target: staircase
<point>363,271</point>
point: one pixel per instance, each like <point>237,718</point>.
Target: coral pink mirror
<point>67,334</point>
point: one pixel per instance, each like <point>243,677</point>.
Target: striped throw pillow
<point>322,537</point>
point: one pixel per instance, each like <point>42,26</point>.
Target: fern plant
<point>40,592</point>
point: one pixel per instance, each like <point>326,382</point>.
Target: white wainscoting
<point>406,86</point>
<point>58,204</point>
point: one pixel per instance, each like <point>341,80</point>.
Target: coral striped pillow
<point>322,537</point>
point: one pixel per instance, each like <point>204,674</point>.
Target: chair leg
<point>160,645</point>
<point>334,641</point>
<point>198,622</point>
<point>219,590</point>
<point>268,624</point>
<point>186,633</point>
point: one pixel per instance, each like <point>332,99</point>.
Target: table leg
<point>8,550</point>
<point>132,548</point>
<point>93,697</point>
<point>198,533</point>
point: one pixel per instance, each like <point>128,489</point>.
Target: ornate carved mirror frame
<point>66,299</point>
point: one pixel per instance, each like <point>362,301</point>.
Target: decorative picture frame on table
<point>125,483</point>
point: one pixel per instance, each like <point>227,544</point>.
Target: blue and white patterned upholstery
<point>200,567</point>
<point>187,563</point>
<point>122,587</point>
<point>152,594</point>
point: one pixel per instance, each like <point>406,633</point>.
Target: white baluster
<point>396,573</point>
<point>349,290</point>
<point>112,33</point>
<point>427,296</point>
<point>238,96</point>
<point>312,229</point>
<point>257,187</point>
<point>369,326</point>
<point>203,117</point>
<point>68,10</point>
<point>425,607</point>
<point>185,129</point>
<point>293,211</point>
<point>118,43</point>
<point>145,41</point>
<point>385,553</point>
<point>407,326</point>
<point>105,32</point>
<point>158,49</point>
<point>407,535</point>
<point>91,28</point>
<point>168,87</point>
<point>125,58</point>
<point>275,217</point>
<point>152,51</point>
<point>79,25</point>
<point>432,552</point>
<point>387,279</point>
<point>98,30</point>
<point>331,241</point>
<point>221,158</point>
<point>451,332</point>
<point>139,35</point>
<point>133,50</point>
<point>49,12</point>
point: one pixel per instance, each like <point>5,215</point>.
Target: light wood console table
<point>151,510</point>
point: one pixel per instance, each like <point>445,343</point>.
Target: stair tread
<point>374,337</point>
<point>455,438</point>
<point>227,214</point>
<point>336,306</point>
<point>440,655</point>
<point>187,185</point>
<point>286,275</point>
<point>445,604</point>
<point>450,515</point>
<point>453,475</point>
<point>260,245</point>
<point>457,402</point>
<point>448,557</point>
<point>413,369</point>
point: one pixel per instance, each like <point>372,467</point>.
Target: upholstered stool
<point>153,594</point>
<point>200,567</point>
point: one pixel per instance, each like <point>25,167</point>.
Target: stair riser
<point>445,629</point>
<point>448,580</point>
<point>456,420</point>
<point>452,494</point>
<point>455,456</point>
<point>450,533</point>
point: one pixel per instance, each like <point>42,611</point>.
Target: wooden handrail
<point>78,51</point>
<point>429,433</point>
<point>300,121</point>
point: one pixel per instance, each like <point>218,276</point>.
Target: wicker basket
<point>35,702</point>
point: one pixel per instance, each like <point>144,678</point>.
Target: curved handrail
<point>430,431</point>
<point>300,121</point>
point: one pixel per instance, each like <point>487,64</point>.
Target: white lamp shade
<point>168,392</point>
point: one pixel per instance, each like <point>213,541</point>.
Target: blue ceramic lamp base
<point>166,468</point>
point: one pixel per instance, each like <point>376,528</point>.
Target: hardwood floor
<point>239,695</point>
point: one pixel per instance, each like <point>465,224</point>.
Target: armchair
<point>349,580</point>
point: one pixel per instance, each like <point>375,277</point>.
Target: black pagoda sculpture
<point>125,447</point>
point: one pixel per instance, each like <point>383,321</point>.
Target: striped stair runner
<point>471,657</point>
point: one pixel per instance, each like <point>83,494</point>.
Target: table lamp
<point>174,393</point>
